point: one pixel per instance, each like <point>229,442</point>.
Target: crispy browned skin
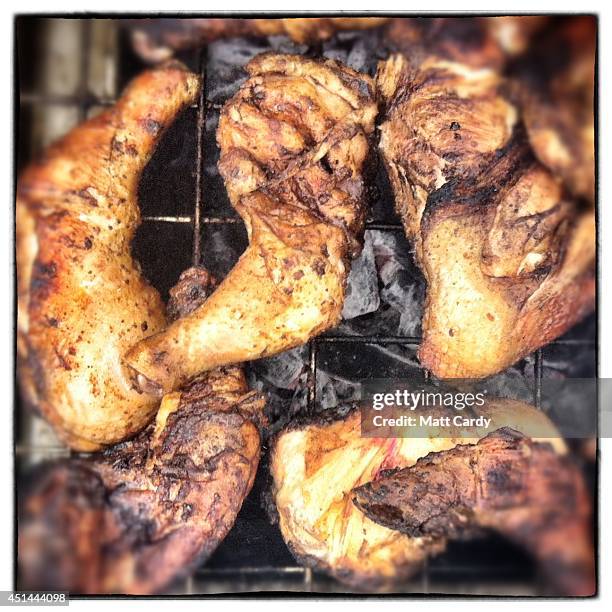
<point>507,483</point>
<point>294,142</point>
<point>157,39</point>
<point>132,519</point>
<point>556,89</point>
<point>508,257</point>
<point>316,464</point>
<point>82,300</point>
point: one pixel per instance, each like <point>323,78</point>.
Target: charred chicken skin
<point>506,483</point>
<point>315,466</point>
<point>294,142</point>
<point>138,515</point>
<point>82,300</point>
<point>508,257</point>
<point>156,40</point>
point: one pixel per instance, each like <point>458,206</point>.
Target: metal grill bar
<point>153,219</point>
<point>201,125</point>
<point>235,221</point>
<point>537,391</point>
<point>378,339</point>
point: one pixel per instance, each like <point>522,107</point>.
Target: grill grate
<point>253,557</point>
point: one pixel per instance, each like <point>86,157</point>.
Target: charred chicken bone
<point>82,300</point>
<point>144,512</point>
<point>508,257</point>
<point>294,142</point>
<point>506,483</point>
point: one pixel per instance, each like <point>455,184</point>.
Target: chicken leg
<point>294,142</point>
<point>82,300</point>
<point>507,483</point>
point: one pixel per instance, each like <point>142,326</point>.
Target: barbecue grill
<point>68,70</point>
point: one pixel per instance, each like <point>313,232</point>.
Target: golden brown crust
<point>294,142</point>
<point>82,299</point>
<point>316,465</point>
<point>506,483</point>
<point>157,39</point>
<point>508,258</point>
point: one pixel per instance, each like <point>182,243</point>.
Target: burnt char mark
<point>43,276</point>
<point>131,150</point>
<point>196,391</point>
<point>386,514</point>
<point>64,363</point>
<point>116,146</point>
<point>318,267</point>
<point>302,421</point>
<point>465,32</point>
<point>84,194</point>
<point>191,291</point>
<point>504,167</point>
<point>152,127</point>
<point>502,480</point>
<point>160,357</point>
<point>321,419</point>
<point>45,270</point>
<point>150,496</point>
<point>548,57</point>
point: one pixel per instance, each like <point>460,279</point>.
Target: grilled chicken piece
<point>556,89</point>
<point>132,519</point>
<point>294,142</point>
<point>514,33</point>
<point>506,483</point>
<point>316,465</point>
<point>140,514</point>
<point>479,42</point>
<point>155,40</point>
<point>82,300</point>
<point>508,257</point>
<point>452,39</point>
